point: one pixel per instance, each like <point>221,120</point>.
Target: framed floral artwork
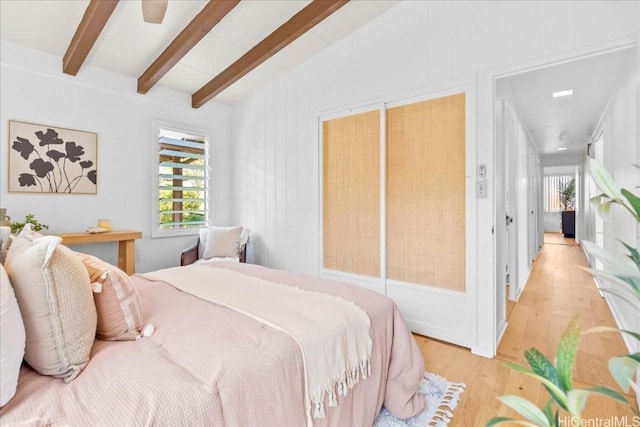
<point>49,159</point>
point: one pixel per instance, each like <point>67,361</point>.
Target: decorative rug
<point>442,398</point>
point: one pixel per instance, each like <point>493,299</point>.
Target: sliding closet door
<point>425,193</point>
<point>351,194</point>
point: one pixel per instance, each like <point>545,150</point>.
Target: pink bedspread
<point>208,365</point>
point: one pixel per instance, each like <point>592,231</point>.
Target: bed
<point>207,364</point>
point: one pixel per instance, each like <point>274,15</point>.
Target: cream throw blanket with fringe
<point>333,333</point>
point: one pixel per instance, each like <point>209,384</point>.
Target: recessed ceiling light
<point>563,93</point>
<point>561,148</point>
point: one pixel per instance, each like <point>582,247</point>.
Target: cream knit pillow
<point>54,295</point>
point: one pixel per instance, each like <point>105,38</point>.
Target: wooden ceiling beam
<point>205,20</point>
<point>299,24</point>
<point>95,18</point>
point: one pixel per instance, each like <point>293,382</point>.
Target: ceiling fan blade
<point>153,10</point>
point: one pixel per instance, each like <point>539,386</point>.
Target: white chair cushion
<point>222,242</point>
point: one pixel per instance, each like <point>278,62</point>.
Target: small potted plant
<point>567,195</point>
<point>28,219</point>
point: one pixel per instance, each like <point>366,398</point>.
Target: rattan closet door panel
<point>351,194</point>
<point>426,193</point>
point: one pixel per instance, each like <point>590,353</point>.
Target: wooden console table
<point>126,245</point>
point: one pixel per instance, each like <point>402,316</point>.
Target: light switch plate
<point>482,190</point>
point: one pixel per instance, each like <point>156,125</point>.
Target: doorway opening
<point>540,134</point>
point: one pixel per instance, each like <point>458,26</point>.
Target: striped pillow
<point>118,306</point>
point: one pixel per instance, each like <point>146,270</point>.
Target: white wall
<point>559,170</point>
<point>34,90</point>
<point>412,48</point>
<point>621,149</point>
<point>553,222</point>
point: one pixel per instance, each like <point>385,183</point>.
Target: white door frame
<point>488,314</point>
<point>511,194</point>
<point>501,323</point>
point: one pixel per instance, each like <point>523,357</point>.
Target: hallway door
<point>511,230</point>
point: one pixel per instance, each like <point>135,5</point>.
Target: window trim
<point>156,125</point>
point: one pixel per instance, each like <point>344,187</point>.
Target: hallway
<point>555,292</point>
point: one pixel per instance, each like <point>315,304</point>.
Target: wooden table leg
<point>127,256</point>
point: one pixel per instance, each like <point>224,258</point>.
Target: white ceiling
<point>128,45</point>
<point>593,81</point>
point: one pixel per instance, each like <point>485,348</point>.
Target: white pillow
<point>53,290</point>
<point>202,242</point>
<point>204,233</point>
<point>222,242</point>
<point>12,339</point>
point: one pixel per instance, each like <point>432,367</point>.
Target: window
<point>555,191</point>
<point>181,181</point>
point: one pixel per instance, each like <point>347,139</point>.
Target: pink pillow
<point>118,306</point>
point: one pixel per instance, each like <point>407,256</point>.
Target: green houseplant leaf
<point>633,334</point>
<point>28,219</point>
<point>577,398</point>
<point>624,287</point>
<point>526,409</point>
<point>633,254</point>
<point>634,201</point>
<point>597,329</point>
<point>608,392</point>
<point>512,421</point>
<point>543,367</point>
<point>566,354</point>
<point>623,368</point>
<point>604,210</point>
<point>548,412</point>
<point>558,395</point>
<point>604,181</point>
<point>613,263</point>
<point>625,296</point>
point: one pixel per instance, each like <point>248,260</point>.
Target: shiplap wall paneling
<point>351,194</point>
<point>426,193</point>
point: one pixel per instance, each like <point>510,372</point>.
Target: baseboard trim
<point>629,341</point>
<point>429,330</point>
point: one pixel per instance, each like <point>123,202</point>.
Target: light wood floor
<point>558,239</point>
<point>555,292</point>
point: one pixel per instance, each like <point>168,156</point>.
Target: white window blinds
<point>553,185</point>
<point>183,176</point>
